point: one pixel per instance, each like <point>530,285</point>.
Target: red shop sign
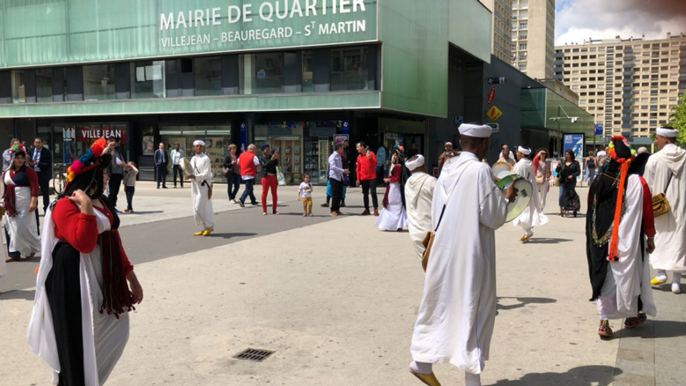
<point>89,134</point>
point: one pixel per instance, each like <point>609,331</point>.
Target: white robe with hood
<point>532,216</point>
<point>419,192</point>
<point>202,205</point>
<point>457,313</point>
<point>670,240</point>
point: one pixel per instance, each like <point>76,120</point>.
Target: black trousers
<point>177,169</point>
<point>115,185</point>
<point>336,193</point>
<point>161,175</point>
<point>44,183</point>
<point>367,186</point>
<point>64,295</point>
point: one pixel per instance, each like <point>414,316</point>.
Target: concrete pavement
<point>337,300</point>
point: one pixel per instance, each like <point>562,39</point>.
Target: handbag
<point>227,172</point>
<point>429,238</point>
<point>660,203</point>
<point>540,180</point>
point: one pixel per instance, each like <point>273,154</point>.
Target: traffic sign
<point>494,113</point>
<point>494,126</point>
<point>491,95</point>
<point>459,119</point>
<point>598,129</point>
<point>496,80</point>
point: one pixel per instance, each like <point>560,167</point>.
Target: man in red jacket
<point>248,164</point>
<point>366,176</point>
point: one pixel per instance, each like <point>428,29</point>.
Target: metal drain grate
<point>254,354</point>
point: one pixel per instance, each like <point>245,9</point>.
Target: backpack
<point>591,162</point>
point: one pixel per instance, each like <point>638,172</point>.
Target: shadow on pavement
<point>231,235</point>
<point>26,295</point>
<point>143,212</point>
<point>523,302</point>
<point>547,241</point>
<point>578,376</point>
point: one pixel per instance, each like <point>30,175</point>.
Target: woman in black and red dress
<point>80,322</point>
<point>20,199</point>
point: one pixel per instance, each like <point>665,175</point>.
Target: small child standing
<point>305,193</point>
<point>130,173</point>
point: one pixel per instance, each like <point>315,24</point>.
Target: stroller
<point>570,201</point>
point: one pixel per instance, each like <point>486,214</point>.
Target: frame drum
<point>524,194</point>
<point>501,169</point>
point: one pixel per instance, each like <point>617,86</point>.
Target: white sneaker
<point>676,288</point>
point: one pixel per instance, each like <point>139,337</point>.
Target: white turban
<point>667,132</point>
<point>198,142</point>
<point>476,131</point>
<point>416,163</point>
<point>642,150</point>
<point>524,150</point>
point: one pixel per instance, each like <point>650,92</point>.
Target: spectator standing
<point>336,173</point>
<point>269,161</point>
<point>248,162</point>
<point>590,163</point>
<point>6,154</point>
<point>161,162</point>
<point>176,155</point>
<point>233,177</point>
<point>366,177</point>
<point>130,173</point>
<point>115,171</point>
<point>41,160</point>
<point>447,154</point>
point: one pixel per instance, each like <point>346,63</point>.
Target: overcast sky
<point>579,20</point>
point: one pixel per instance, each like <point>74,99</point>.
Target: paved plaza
<point>336,299</point>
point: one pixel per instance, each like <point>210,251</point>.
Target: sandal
<point>604,331</point>
<point>635,322</point>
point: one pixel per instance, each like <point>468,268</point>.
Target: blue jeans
<point>233,184</point>
<point>130,190</point>
<point>249,184</point>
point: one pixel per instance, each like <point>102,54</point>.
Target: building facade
<point>296,74</point>
<point>502,28</point>
<point>533,36</point>
<point>629,85</point>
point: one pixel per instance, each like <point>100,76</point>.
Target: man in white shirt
<point>336,173</point>
<point>176,155</point>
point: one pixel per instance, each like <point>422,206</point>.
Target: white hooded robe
<point>457,313</point>
<point>202,205</point>
<point>532,216</point>
<point>670,240</point>
<point>419,192</point>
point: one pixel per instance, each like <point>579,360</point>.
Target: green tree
<point>677,119</point>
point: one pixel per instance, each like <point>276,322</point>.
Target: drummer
<point>532,216</point>
<point>506,155</point>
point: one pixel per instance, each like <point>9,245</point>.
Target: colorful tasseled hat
<point>87,160</point>
<point>17,147</point>
<point>622,153</point>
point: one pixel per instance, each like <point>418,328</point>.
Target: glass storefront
<point>217,139</point>
<point>304,146</point>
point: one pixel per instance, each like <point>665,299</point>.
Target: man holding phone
<point>366,177</point>
<point>447,154</point>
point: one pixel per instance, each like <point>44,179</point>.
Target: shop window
<point>147,79</point>
<point>98,82</point>
<point>349,69</point>
<point>208,76</point>
<point>261,73</point>
<point>18,87</point>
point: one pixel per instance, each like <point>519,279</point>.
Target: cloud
<point>579,20</point>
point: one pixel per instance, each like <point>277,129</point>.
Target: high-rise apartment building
<point>629,85</point>
<point>502,28</point>
<point>533,36</point>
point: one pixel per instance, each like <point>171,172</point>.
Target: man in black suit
<point>161,162</point>
<point>40,158</point>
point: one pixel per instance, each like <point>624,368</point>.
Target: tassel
<point>614,243</point>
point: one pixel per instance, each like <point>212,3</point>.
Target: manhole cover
<point>254,354</point>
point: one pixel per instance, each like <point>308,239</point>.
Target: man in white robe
<point>419,192</point>
<point>201,182</point>
<point>457,313</point>
<point>665,172</point>
<point>532,216</point>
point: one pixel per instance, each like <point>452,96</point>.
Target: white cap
<point>642,150</point>
<point>198,142</point>
<point>476,131</point>
<point>667,132</point>
<point>524,150</point>
<point>416,163</point>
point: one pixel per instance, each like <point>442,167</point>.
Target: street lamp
<point>558,119</point>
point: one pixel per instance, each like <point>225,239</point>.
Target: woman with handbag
<point>542,171</point>
<point>232,172</point>
<point>568,171</point>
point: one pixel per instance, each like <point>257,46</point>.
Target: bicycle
<point>59,179</point>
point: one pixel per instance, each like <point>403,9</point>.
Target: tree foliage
<point>677,120</point>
